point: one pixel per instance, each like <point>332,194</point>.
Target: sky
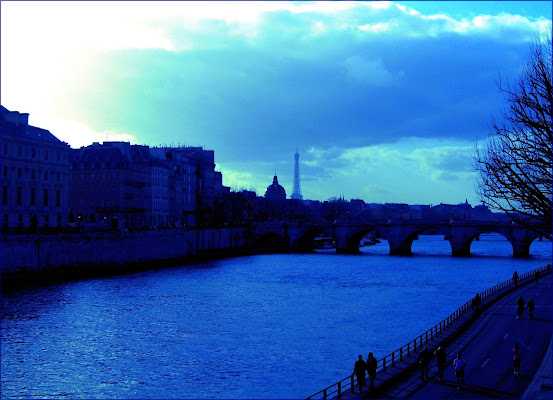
<point>384,101</point>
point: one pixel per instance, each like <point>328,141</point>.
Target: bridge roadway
<point>486,345</point>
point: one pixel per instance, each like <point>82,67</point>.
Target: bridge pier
<point>400,247</point>
<point>347,250</point>
<point>400,251</point>
<point>459,240</point>
<point>521,249</point>
<point>460,252</point>
<point>521,241</point>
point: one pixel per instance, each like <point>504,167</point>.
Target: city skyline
<point>383,100</point>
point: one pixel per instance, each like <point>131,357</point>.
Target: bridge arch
<point>354,240</point>
<point>520,238</point>
<point>306,241</point>
<point>272,240</point>
<point>399,234</point>
<point>401,240</point>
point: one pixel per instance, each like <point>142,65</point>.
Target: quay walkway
<point>485,338</point>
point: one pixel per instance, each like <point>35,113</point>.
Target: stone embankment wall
<point>23,254</point>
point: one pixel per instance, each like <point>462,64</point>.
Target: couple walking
<point>520,308</point>
<point>441,358</point>
<point>362,366</point>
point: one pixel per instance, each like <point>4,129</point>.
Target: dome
<point>275,191</point>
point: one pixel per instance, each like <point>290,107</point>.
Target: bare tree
<point>515,166</point>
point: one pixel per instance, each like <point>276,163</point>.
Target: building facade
<point>34,168</point>
<point>116,185</point>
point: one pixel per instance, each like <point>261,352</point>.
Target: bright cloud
<point>348,82</point>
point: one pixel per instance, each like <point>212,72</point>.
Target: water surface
<point>268,326</point>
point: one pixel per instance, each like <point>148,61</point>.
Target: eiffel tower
<point>296,193</point>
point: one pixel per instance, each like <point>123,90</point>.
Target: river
<point>267,326</point>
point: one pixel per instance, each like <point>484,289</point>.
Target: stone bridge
<point>399,234</point>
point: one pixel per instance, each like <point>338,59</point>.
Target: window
<point>32,196</point>
<point>5,148</point>
<point>19,195</point>
<point>4,195</point>
<point>45,175</point>
<point>33,152</point>
<point>19,172</point>
<point>5,171</point>
<point>6,220</point>
<point>19,151</point>
<point>33,173</point>
<point>59,221</point>
<point>46,154</point>
<point>46,221</point>
<point>57,198</point>
<point>45,197</point>
<point>20,222</point>
<point>58,176</point>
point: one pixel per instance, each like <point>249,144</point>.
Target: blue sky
<point>383,100</point>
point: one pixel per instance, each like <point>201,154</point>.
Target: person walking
<point>441,358</point>
<point>537,276</point>
<point>520,304</point>
<point>459,365</point>
<point>517,355</point>
<point>424,360</point>
<point>477,301</point>
<point>530,307</point>
<point>359,372</point>
<point>515,277</point>
<point>371,369</point>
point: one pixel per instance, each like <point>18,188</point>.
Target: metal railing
<point>398,355</point>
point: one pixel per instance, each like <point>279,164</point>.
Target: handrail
<point>398,355</point>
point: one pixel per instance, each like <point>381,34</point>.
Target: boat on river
<point>324,242</point>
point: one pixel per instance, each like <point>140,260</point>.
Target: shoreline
<point>14,281</point>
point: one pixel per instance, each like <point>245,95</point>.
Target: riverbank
<point>43,259</point>
<point>66,273</point>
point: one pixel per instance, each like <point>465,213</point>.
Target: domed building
<point>275,191</point>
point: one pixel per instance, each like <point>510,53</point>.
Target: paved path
<point>487,345</point>
<point>487,348</point>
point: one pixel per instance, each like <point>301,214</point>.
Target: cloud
<point>370,72</point>
<point>254,80</point>
<point>79,134</point>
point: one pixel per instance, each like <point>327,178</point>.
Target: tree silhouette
<point>515,166</point>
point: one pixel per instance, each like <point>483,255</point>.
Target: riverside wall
<point>27,255</point>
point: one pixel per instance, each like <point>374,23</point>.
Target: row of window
<point>23,221</point>
<point>43,154</point>
<point>32,196</point>
<point>44,222</point>
<point>31,171</point>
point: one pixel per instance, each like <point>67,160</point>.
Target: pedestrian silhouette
<point>520,304</point>
<point>459,365</point>
<point>530,307</point>
<point>515,277</point>
<point>517,355</point>
<point>359,371</point>
<point>537,276</point>
<point>371,369</point>
<point>441,359</point>
<point>424,359</point>
<point>476,301</point>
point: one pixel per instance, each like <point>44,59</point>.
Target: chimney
<point>23,120</point>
